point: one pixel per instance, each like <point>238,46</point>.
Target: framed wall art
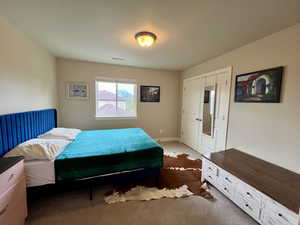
<point>150,93</point>
<point>77,90</point>
<point>259,86</point>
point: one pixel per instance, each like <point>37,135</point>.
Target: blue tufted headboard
<point>19,127</point>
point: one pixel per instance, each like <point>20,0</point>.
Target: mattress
<point>39,172</point>
<point>99,152</point>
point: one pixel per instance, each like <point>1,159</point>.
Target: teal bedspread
<point>99,152</point>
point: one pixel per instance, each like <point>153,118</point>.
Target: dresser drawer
<point>227,178</point>
<point>268,220</point>
<point>210,172</point>
<point>279,213</point>
<point>11,176</point>
<point>249,193</point>
<point>210,168</point>
<point>211,179</point>
<point>272,219</point>
<point>228,190</point>
<point>250,207</point>
<point>13,209</point>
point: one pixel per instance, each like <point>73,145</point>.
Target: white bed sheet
<point>39,172</point>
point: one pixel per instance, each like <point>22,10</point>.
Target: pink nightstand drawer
<point>11,176</point>
<point>13,209</point>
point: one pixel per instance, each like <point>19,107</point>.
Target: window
<point>115,99</point>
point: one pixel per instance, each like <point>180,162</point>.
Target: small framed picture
<point>77,90</point>
<point>150,93</point>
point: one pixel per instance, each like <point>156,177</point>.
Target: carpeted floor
<point>73,207</point>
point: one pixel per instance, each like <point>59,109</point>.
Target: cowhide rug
<point>179,177</point>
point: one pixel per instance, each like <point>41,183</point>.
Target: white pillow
<point>61,133</point>
<point>37,149</point>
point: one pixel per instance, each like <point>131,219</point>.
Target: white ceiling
<point>189,31</point>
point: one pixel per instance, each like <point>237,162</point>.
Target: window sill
<point>116,118</point>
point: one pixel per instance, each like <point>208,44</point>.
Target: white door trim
<point>227,70</point>
<point>215,72</point>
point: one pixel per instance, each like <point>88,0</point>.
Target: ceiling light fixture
<point>145,38</point>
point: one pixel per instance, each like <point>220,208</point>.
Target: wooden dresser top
<point>276,182</point>
<point>6,163</point>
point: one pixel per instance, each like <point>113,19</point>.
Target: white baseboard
<point>166,139</point>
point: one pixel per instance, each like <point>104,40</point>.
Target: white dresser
<point>253,185</point>
<point>13,206</point>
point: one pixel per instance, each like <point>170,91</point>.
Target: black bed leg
<point>91,191</point>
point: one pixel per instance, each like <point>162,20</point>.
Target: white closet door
<point>217,142</point>
<point>208,143</point>
<point>192,133</point>
<point>192,95</point>
<point>222,109</point>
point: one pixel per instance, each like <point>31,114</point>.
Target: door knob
<point>198,119</point>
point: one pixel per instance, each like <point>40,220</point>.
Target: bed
<point>92,154</point>
<point>107,151</point>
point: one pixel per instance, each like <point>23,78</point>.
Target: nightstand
<point>13,205</point>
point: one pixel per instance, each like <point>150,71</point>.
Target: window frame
<point>118,81</point>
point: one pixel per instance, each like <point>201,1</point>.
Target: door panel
<point>222,106</point>
<point>217,142</point>
<point>192,91</point>
<point>189,128</point>
<point>208,142</point>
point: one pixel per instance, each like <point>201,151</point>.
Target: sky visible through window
<point>115,99</point>
<point>109,86</point>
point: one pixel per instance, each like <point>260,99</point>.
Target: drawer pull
<point>249,207</point>
<point>3,210</point>
<point>226,178</point>
<point>11,177</point>
<point>209,168</point>
<point>249,194</point>
<point>209,176</point>
<point>283,217</point>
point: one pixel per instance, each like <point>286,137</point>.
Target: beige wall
<point>268,131</point>
<point>151,116</point>
<point>27,73</point>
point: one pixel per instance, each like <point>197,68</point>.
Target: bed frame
<point>19,127</point>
